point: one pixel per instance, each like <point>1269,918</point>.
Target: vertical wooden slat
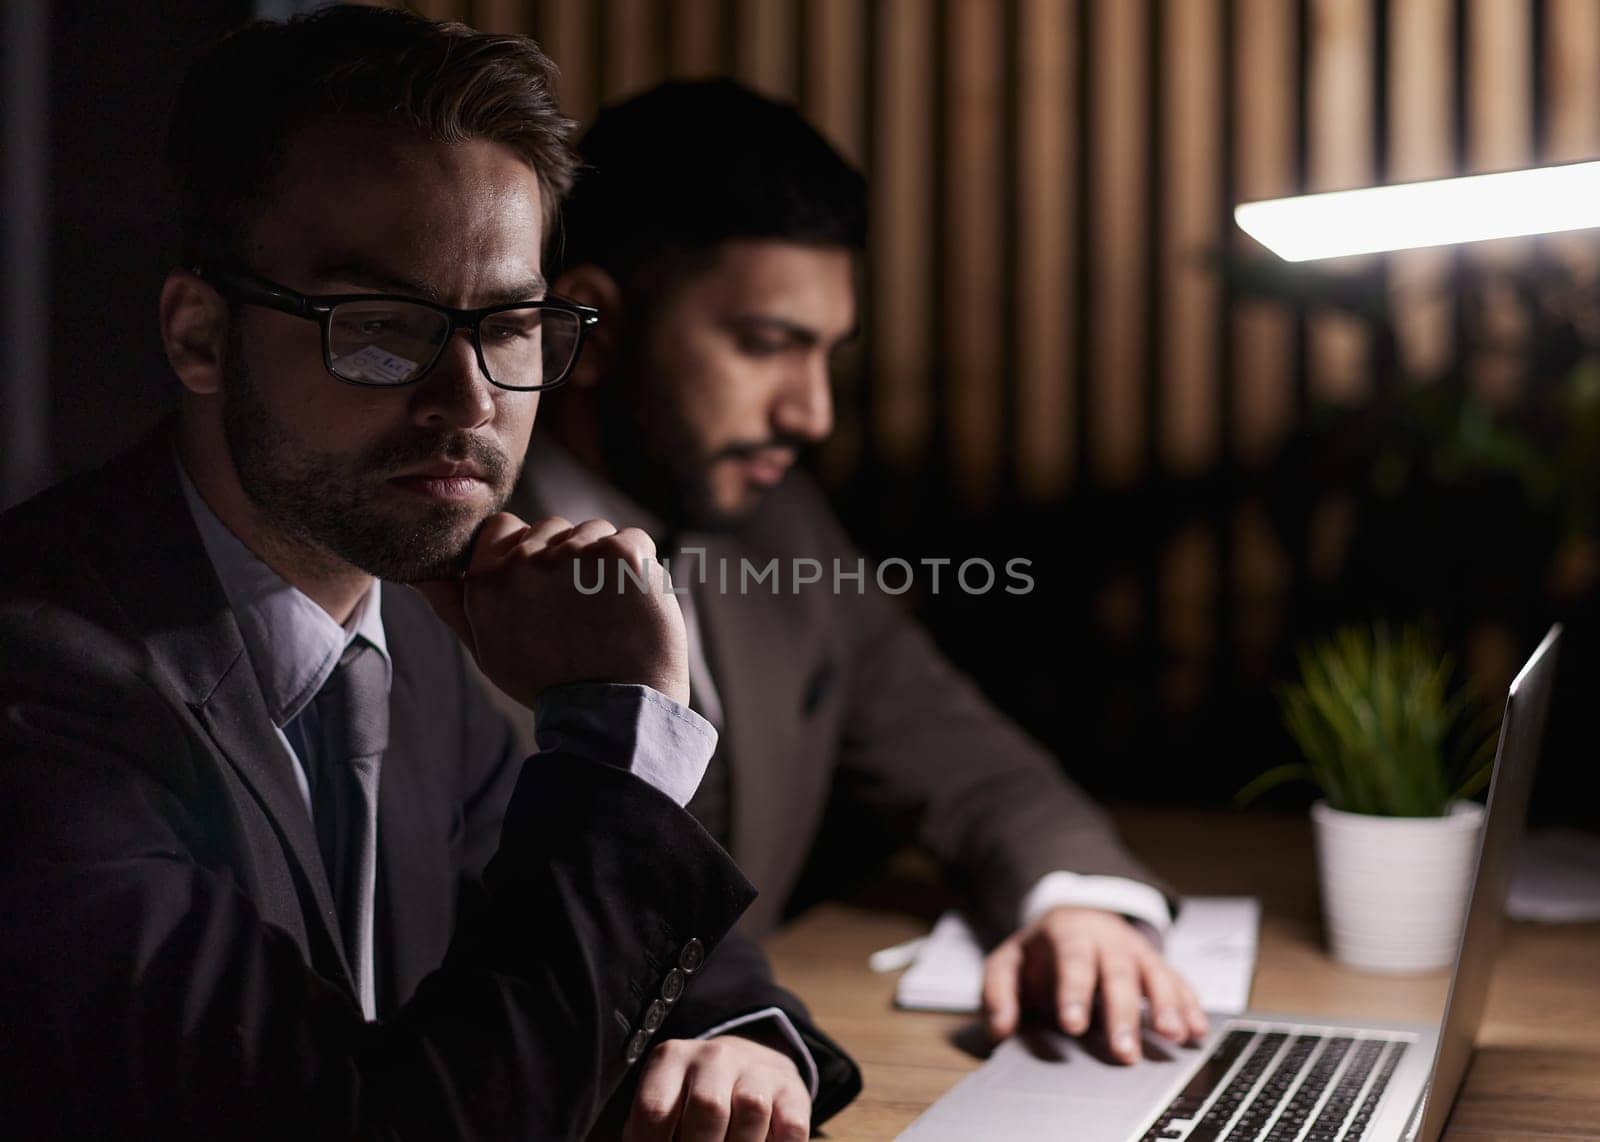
<point>1188,589</point>
<point>766,31</point>
<point>973,323</point>
<point>1263,109</point>
<point>1572,80</point>
<point>833,74</point>
<point>1499,137</point>
<point>501,16</point>
<point>631,59</point>
<point>1191,58</point>
<point>1262,575</point>
<point>697,38</point>
<point>442,9</point>
<point>900,261</point>
<point>1340,90</point>
<point>1572,92</point>
<point>1116,309</point>
<point>568,35</point>
<point>1498,113</point>
<point>1420,148</point>
<point>1045,429</point>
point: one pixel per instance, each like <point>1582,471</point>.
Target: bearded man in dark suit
<point>725,293</point>
<point>270,865</point>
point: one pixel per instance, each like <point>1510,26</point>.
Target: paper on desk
<point>1213,943</point>
<point>1557,877</point>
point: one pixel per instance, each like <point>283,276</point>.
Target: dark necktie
<point>352,731</point>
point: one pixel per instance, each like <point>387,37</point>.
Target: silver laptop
<point>1269,1077</point>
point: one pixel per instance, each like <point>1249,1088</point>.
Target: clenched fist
<point>519,611</point>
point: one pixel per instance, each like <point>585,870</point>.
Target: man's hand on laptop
<point>1070,959</point>
<point>520,612</point>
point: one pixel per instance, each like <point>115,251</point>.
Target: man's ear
<point>194,331</point>
<point>588,284</point>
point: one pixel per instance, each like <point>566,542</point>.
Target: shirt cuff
<point>1130,898</point>
<point>784,1027</point>
<point>631,727</point>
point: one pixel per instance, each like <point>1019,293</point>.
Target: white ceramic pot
<point>1394,889</point>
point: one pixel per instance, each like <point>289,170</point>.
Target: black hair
<point>668,175</point>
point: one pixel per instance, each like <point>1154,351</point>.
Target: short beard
<point>325,505</point>
<point>652,455</point>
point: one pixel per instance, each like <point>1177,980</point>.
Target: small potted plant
<point>1396,750</point>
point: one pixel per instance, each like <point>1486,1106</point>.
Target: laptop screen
<point>1516,758</point>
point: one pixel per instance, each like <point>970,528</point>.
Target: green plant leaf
<point>1378,724</point>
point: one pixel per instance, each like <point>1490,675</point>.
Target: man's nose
<point>455,393</point>
<point>805,403</point>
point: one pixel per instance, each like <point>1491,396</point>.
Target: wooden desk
<point>1536,1073</point>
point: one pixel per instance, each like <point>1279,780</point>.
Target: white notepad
<point>1213,943</point>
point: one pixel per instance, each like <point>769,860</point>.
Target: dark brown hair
<point>243,99</point>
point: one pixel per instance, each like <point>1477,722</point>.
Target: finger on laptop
<point>1161,988</point>
<point>1074,969</point>
<point>1119,1003</point>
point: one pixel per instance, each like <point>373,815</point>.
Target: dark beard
<point>328,504</point>
<point>652,456</point>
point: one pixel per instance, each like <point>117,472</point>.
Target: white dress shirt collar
<point>293,643</point>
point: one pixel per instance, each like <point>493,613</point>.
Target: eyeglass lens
<point>393,342</point>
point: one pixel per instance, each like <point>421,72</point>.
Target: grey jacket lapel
<point>755,653</point>
<point>156,565</point>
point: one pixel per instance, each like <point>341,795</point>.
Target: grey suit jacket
<point>843,700</point>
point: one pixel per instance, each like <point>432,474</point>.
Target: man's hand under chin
<point>1069,959</point>
<point>519,611</point>
<point>728,1087</point>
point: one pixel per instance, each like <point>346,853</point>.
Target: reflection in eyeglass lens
<point>383,342</point>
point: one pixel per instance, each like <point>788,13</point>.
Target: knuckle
<point>707,1106</point>
<point>654,1107</point>
<point>672,1050</point>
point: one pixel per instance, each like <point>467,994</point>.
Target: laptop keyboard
<point>1270,1085</point>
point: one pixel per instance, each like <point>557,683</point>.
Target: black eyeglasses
<point>384,340</point>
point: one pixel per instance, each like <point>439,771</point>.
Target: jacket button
<point>636,1046</point>
<point>692,956</point>
<point>672,986</point>
<point>653,1015</point>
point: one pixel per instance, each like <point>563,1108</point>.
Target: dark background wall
<point>101,76</point>
<point>1070,355</point>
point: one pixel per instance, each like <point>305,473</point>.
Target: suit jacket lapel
<point>751,646</point>
<point>156,564</point>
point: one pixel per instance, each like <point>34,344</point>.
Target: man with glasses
<point>270,865</point>
<point>724,292</point>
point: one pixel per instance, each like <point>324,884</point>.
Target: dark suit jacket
<point>843,700</point>
<point>168,959</point>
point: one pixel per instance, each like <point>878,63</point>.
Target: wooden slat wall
<point>1130,124</point>
<point>1048,180</point>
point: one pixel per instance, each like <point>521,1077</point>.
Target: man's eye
<point>762,346</point>
<point>508,332</point>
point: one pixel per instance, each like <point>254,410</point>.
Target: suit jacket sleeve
<point>921,745</point>
<point>142,995</point>
<point>735,981</point>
